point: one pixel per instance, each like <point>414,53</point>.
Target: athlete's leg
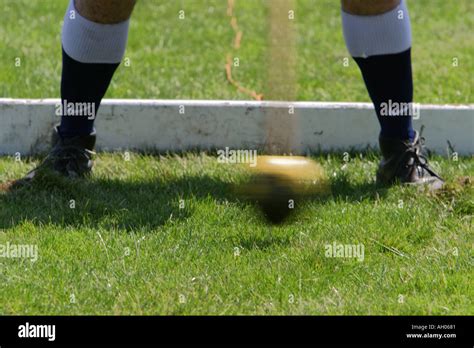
<point>105,11</point>
<point>378,36</point>
<point>94,39</point>
<point>368,7</point>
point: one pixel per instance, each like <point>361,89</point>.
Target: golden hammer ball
<point>278,184</point>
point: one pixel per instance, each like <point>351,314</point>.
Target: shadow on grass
<point>135,205</point>
<point>342,188</point>
<point>129,205</point>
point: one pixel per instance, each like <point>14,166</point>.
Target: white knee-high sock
<point>89,42</point>
<point>388,33</point>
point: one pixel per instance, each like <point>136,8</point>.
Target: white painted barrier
<point>25,125</point>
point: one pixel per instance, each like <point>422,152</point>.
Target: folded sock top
<point>88,42</point>
<point>387,33</point>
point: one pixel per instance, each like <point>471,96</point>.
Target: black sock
<point>389,80</point>
<point>82,84</point>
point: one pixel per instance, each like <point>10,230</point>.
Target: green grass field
<point>130,247</point>
<point>173,59</point>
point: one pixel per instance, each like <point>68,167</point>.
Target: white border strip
<point>231,103</point>
<point>178,125</point>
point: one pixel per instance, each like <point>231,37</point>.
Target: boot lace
<point>415,152</point>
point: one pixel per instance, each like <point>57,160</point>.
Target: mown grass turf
<point>128,247</point>
<point>173,58</point>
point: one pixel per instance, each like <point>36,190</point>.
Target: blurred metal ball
<point>279,184</point>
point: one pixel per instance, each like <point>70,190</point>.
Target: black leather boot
<point>70,157</point>
<point>403,161</point>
